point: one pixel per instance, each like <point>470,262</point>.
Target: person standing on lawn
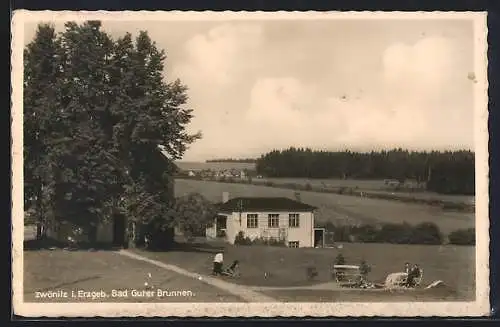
<point>218,262</point>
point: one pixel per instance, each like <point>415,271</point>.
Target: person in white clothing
<point>218,262</point>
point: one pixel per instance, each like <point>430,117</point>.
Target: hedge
<point>463,237</point>
<point>423,233</point>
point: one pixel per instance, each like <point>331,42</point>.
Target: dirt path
<point>246,293</point>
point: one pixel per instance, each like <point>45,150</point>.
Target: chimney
<point>297,196</point>
<point>225,197</point>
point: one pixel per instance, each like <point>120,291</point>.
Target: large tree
<point>111,115</point>
<point>41,133</point>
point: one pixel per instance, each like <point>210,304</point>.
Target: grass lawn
<point>363,296</point>
<point>339,208</point>
<point>68,271</point>
<point>287,267</point>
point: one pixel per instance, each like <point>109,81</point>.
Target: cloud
<point>217,57</point>
<point>412,105</point>
<point>422,71</point>
<point>289,112</point>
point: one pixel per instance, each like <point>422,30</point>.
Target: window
<point>293,220</point>
<point>293,244</point>
<point>221,222</point>
<point>273,220</point>
<point>252,220</point>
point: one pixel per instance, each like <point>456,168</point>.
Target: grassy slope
<point>94,271</point>
<point>339,208</point>
<point>287,267</point>
<point>366,185</point>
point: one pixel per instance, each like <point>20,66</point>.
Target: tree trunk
<point>40,230</point>
<point>131,235</point>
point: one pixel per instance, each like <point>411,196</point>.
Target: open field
<point>339,208</point>
<point>286,267</point>
<point>68,271</point>
<point>372,186</point>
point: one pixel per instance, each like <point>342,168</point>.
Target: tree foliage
<point>339,259</point>
<point>444,172</point>
<point>101,125</point>
<point>194,213</point>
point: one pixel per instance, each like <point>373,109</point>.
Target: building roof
<point>263,204</point>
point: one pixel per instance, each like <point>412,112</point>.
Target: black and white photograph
<point>249,164</point>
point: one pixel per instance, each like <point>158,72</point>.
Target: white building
<point>266,217</point>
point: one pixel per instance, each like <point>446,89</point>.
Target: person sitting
<point>413,275</point>
<point>232,270</point>
<point>407,268</point>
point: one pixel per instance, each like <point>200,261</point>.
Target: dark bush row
<point>463,237</point>
<point>423,233</point>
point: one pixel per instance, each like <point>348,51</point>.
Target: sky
<point>357,84</point>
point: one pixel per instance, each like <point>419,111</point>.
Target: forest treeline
<point>448,172</point>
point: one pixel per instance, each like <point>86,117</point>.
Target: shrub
<point>394,233</point>
<point>339,259</point>
<point>342,233</point>
<point>364,268</point>
<point>365,233</point>
<point>426,233</point>
<point>275,242</point>
<point>240,239</point>
<point>268,241</point>
<point>159,237</point>
<point>311,272</point>
<point>463,237</point>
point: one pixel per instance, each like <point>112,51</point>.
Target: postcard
<point>249,164</point>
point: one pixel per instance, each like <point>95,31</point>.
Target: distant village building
<point>278,218</point>
<point>243,175</point>
<point>392,182</point>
